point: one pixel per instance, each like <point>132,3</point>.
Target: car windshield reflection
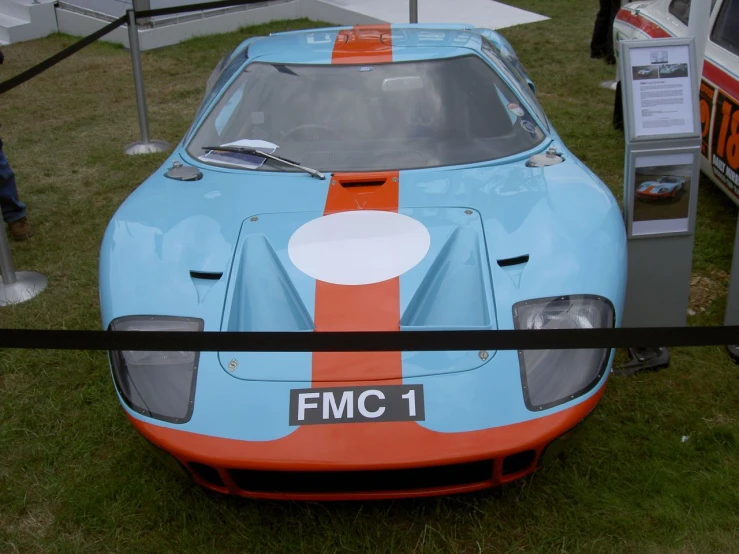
<point>370,117</point>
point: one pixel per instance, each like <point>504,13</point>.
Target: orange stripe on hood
<point>373,307</point>
<point>363,44</point>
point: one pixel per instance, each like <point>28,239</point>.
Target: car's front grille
<point>317,482</point>
<point>516,463</point>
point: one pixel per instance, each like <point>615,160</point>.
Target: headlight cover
<point>553,377</point>
<point>160,385</point>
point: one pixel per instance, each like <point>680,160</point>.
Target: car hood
<point>246,252</point>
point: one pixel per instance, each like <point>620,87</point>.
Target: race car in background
<point>719,92</point>
<point>666,186</point>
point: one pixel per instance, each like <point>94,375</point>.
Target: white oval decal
<point>359,247</point>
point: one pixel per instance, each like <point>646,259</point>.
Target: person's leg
<point>14,211</point>
<point>599,42</point>
<point>610,55</point>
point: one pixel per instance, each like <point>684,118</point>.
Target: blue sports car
<point>380,178</point>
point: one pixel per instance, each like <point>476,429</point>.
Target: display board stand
<point>661,172</point>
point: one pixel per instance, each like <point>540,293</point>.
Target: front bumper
<point>359,461</point>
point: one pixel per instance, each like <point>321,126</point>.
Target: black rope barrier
<point>21,78</point>
<point>195,8</point>
<point>391,341</point>
<point>371,341</point>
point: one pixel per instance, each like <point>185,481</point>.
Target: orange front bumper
<point>366,460</point>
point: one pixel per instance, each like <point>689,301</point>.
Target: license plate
<point>356,404</point>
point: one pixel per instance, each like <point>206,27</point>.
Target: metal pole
<point>146,146</point>
<point>413,11</point>
<point>138,77</point>
<point>6,262</point>
<point>700,14</point>
<point>16,287</point>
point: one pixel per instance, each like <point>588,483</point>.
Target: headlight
<point>552,377</point>
<point>157,384</point>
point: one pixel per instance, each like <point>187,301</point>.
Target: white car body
<point>719,94</point>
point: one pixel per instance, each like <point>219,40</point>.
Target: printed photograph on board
<point>661,193</point>
<point>645,72</point>
<point>658,56</point>
<point>672,70</point>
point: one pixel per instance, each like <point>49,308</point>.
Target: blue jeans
<point>13,209</point>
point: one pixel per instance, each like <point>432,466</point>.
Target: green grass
<point>75,477</point>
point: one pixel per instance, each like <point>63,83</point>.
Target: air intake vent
<point>514,267</point>
<point>363,184</point>
<point>207,275</point>
<point>207,473</point>
<point>363,481</point>
<point>515,463</point>
<point>518,260</point>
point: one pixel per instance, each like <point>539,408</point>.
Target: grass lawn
<point>75,477</point>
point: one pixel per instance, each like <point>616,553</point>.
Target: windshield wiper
<point>254,152</point>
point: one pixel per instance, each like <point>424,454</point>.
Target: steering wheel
<point>313,126</point>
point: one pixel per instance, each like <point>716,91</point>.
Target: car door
<point>719,99</point>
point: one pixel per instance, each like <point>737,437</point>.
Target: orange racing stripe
<point>373,307</point>
<point>363,44</point>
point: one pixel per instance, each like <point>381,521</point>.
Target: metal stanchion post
<point>731,316</point>
<point>146,146</point>
<point>413,11</point>
<point>16,287</point>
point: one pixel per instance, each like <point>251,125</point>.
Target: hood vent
<point>518,260</point>
<point>452,294</point>
<point>363,184</point>
<point>264,298</point>
<point>204,281</point>
<point>514,267</point>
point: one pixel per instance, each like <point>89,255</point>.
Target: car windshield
<point>668,180</point>
<point>368,117</point>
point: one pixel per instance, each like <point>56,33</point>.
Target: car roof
<point>408,42</point>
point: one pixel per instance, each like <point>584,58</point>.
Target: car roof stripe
<point>363,44</point>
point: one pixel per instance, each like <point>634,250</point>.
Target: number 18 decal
<point>725,160</point>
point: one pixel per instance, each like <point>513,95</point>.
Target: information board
<point>663,139</point>
<point>661,100</point>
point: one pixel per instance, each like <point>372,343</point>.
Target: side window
<point>219,77</point>
<point>520,82</point>
<point>726,29</point>
<point>680,9</point>
<point>222,74</point>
